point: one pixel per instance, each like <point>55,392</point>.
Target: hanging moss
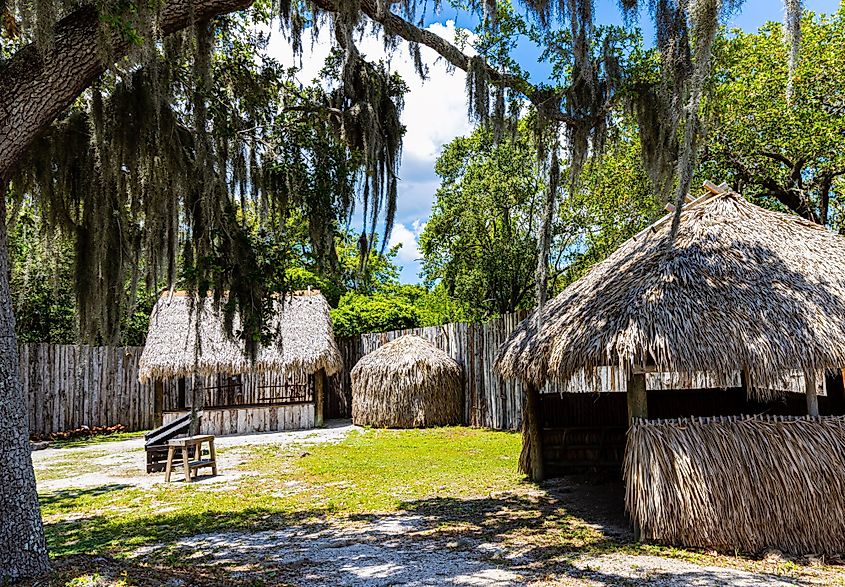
<point>792,36</point>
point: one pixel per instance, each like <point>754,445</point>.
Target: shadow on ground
<point>569,531</point>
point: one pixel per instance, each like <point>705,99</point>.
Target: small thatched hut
<point>407,383</point>
<point>739,293</point>
<point>283,388</point>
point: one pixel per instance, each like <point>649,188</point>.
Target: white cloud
<point>435,113</point>
<point>409,252</point>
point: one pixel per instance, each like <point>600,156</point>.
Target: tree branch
<point>37,87</point>
<point>544,99</point>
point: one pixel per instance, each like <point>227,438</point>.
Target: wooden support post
<point>637,398</point>
<point>834,383</point>
<point>319,397</point>
<point>533,433</point>
<point>196,382</point>
<point>637,408</point>
<point>158,403</point>
<point>812,394</point>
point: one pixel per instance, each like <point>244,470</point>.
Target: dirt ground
<point>125,461</point>
<point>425,545</point>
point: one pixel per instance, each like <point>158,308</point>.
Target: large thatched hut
<point>406,383</point>
<point>195,364</point>
<point>750,298</point>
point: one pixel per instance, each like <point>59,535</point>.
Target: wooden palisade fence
<point>69,386</point>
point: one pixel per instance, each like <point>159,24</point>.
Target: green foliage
<point>784,153</point>
<point>396,307</point>
<point>613,201</point>
<point>480,239</point>
<point>357,313</point>
<point>480,242</point>
<point>41,281</point>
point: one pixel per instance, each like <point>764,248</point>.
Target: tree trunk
<point>23,551</point>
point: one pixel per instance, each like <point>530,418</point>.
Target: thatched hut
<point>406,383</point>
<point>740,293</point>
<point>284,386</point>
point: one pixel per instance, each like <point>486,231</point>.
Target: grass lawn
<point>377,471</point>
<point>462,482</point>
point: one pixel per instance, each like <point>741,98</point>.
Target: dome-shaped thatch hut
<point>407,383</point>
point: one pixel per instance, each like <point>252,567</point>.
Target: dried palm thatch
<point>747,483</point>
<point>740,289</point>
<point>303,339</point>
<point>407,383</point>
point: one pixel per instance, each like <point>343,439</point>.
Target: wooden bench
<point>155,441</point>
<point>187,446</point>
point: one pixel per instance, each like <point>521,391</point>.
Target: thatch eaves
<point>303,339</point>
<point>740,289</point>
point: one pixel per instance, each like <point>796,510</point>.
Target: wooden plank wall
<point>69,386</point>
<point>251,419</point>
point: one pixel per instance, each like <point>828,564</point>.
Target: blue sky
<point>435,110</point>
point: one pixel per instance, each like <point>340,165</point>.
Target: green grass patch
<point>69,465</point>
<point>370,472</point>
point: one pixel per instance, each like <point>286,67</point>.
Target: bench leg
<point>186,464</point>
<point>169,467</point>
<point>213,457</point>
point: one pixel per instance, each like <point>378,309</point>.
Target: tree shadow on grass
<point>61,498</point>
<point>504,539</point>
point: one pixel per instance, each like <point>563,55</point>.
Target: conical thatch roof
<point>741,288</point>
<point>304,340</point>
<point>406,383</point>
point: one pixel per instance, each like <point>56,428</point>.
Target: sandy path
<point>124,462</point>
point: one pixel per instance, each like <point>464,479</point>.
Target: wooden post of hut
<point>319,396</point>
<point>532,438</point>
<point>637,397</point>
<point>812,393</point>
<point>637,408</point>
<point>158,402</point>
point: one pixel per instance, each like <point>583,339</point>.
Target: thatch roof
<point>304,340</point>
<point>746,483</point>
<point>406,383</point>
<point>741,288</point>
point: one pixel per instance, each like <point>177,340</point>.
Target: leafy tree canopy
<point>787,152</point>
